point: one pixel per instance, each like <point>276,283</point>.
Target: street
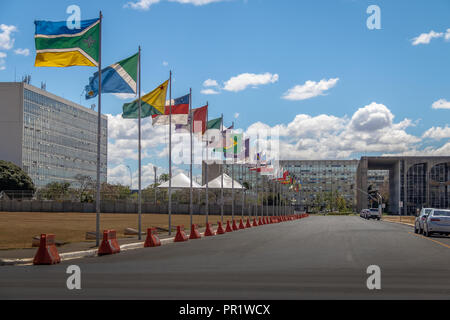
<point>319,257</point>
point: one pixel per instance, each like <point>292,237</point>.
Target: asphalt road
<point>313,258</point>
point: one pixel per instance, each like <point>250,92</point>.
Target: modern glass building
<point>320,178</point>
<point>51,138</point>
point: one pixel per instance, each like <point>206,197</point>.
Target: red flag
<point>200,114</point>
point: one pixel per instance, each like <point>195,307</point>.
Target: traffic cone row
<point>48,254</point>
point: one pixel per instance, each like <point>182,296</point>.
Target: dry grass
<point>403,219</point>
<point>18,228</point>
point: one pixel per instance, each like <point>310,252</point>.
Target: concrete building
<point>51,138</point>
<point>414,182</point>
<point>321,177</point>
<point>407,183</point>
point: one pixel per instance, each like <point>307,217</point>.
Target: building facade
<point>51,138</point>
<point>321,178</point>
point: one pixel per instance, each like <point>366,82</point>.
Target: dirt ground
<point>404,219</point>
<point>18,228</point>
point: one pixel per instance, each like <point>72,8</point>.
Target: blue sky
<point>377,89</point>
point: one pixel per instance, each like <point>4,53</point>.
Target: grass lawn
<point>18,228</point>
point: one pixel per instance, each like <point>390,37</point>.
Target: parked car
<point>363,213</point>
<point>420,219</point>
<point>373,213</point>
<point>438,221</point>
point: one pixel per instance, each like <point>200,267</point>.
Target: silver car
<point>438,221</point>
<point>420,219</point>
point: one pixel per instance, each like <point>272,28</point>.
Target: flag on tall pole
<point>221,181</point>
<point>190,166</point>
<point>151,103</point>
<point>180,112</point>
<point>140,156</point>
<point>120,77</point>
<point>170,155</point>
<point>59,46</point>
<point>206,165</point>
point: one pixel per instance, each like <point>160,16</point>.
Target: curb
<point>406,224</point>
<point>79,254</point>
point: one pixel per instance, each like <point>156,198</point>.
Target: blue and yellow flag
<point>59,46</point>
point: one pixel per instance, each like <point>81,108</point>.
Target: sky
<point>313,70</point>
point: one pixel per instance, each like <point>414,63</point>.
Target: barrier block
<point>241,224</point>
<point>260,222</point>
<point>209,232</point>
<point>181,235</point>
<point>228,229</point>
<point>255,224</point>
<point>248,224</point>
<point>47,252</point>
<point>194,232</point>
<point>234,226</point>
<point>220,229</point>
<point>109,243</point>
<point>152,239</point>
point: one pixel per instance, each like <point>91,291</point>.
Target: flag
<point>59,46</point>
<point>151,103</point>
<point>180,112</point>
<point>231,144</point>
<point>213,130</point>
<point>120,77</point>
<point>200,116</point>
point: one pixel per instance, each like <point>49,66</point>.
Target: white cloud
<point>210,83</point>
<point>121,175</point>
<point>437,133</point>
<point>209,91</point>
<point>165,63</point>
<point>441,104</point>
<point>196,2</point>
<point>146,4</point>
<point>425,38</point>
<point>22,52</point>
<point>370,129</point>
<point>371,118</point>
<point>447,35</point>
<point>310,89</point>
<point>2,60</point>
<point>428,151</point>
<point>236,115</point>
<point>125,96</point>
<point>242,81</point>
<point>6,41</point>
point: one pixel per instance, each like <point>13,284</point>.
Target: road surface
<point>318,257</point>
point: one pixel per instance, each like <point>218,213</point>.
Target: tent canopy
<point>227,183</point>
<point>181,181</point>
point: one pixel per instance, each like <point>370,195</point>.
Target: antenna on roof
<point>26,79</point>
<point>43,86</point>
<point>93,106</point>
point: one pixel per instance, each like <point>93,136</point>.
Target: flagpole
<point>242,185</point>
<point>190,191</point>
<point>140,157</point>
<point>99,134</point>
<point>206,164</point>
<point>221,185</point>
<point>232,178</point>
<point>170,154</point>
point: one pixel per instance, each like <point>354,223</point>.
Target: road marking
<point>438,242</point>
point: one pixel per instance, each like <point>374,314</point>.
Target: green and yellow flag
<point>59,46</point>
<point>152,103</point>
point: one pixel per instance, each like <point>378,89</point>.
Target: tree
<point>164,177</point>
<point>12,177</point>
<point>115,191</point>
<point>55,191</point>
<point>86,188</point>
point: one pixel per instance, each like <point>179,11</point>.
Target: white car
<point>438,221</point>
<point>373,213</point>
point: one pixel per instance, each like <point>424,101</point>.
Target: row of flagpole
<point>44,61</point>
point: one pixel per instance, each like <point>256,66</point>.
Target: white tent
<point>227,183</point>
<point>181,181</point>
